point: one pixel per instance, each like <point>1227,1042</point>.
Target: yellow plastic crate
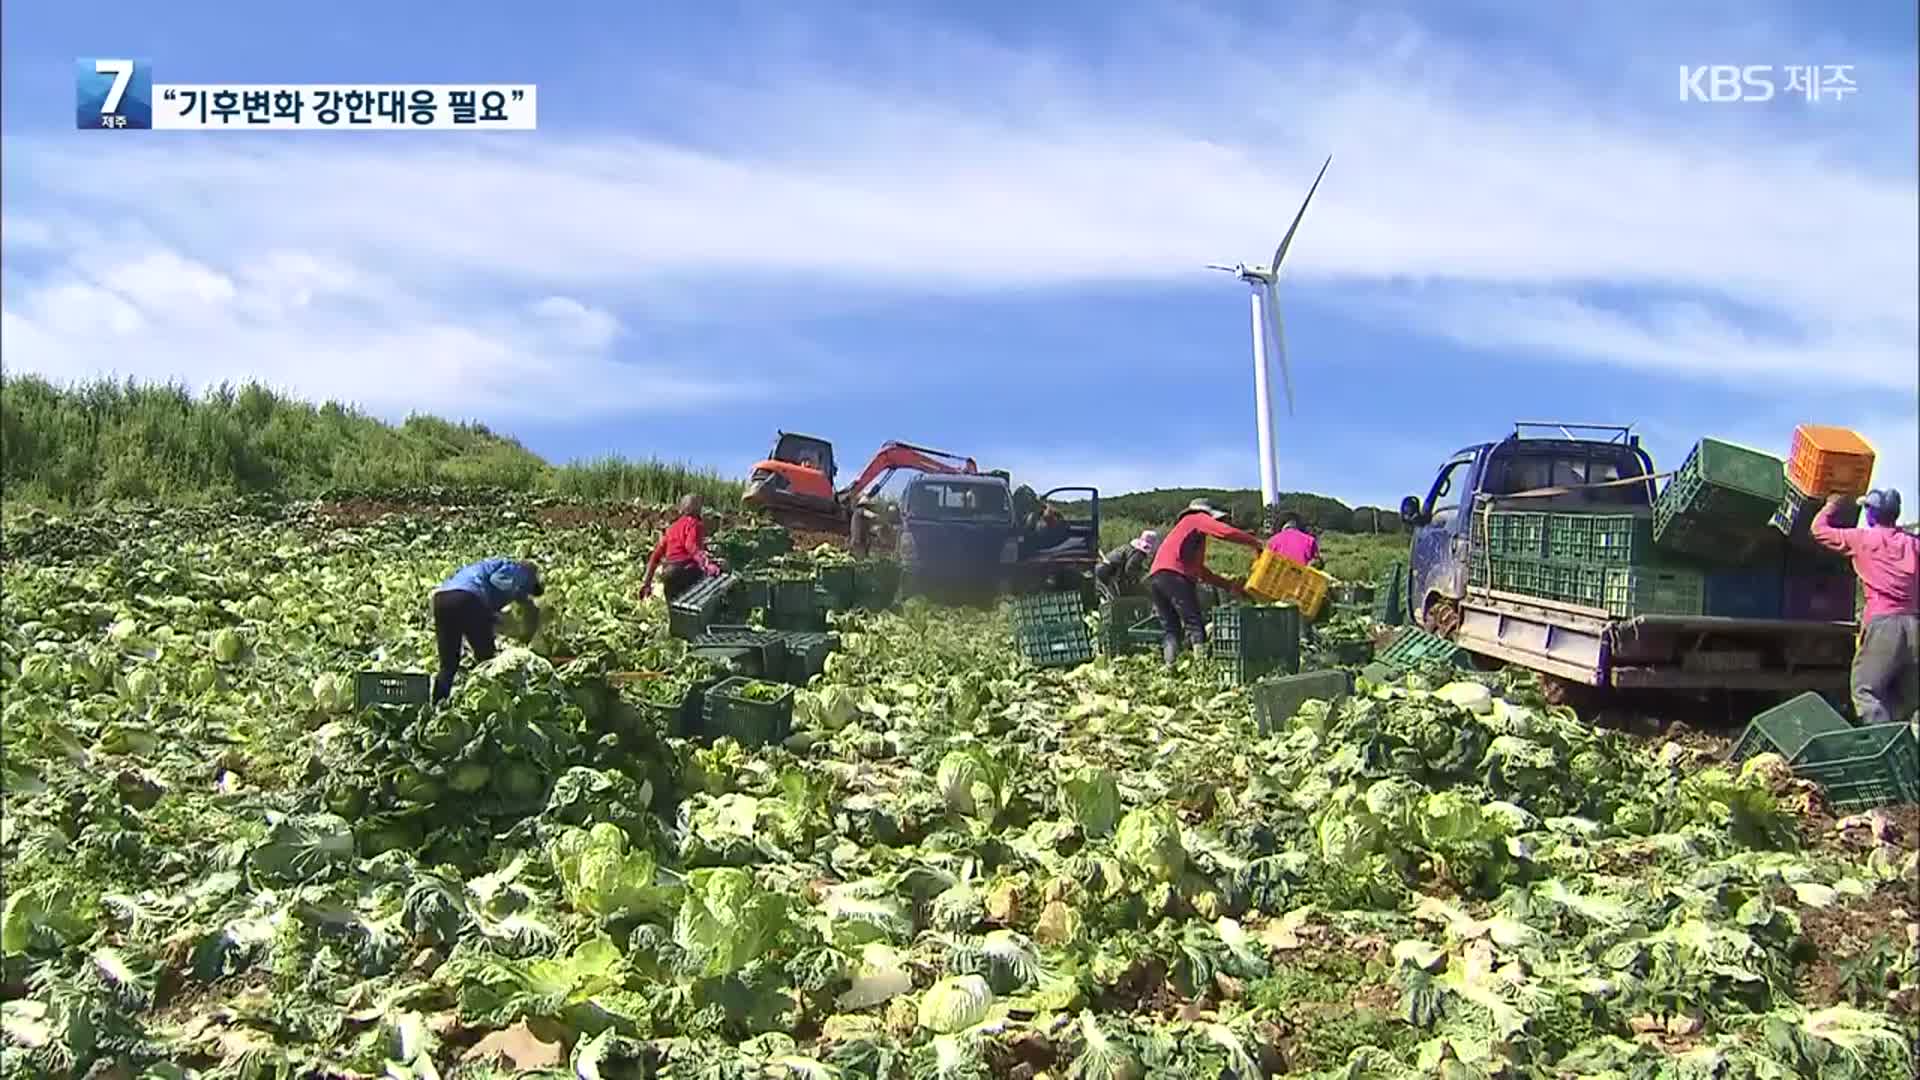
<point>1278,580</point>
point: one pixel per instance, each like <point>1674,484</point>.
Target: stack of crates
<point>1119,616</point>
<point>1606,562</point>
<point>1718,505</point>
<point>1251,641</point>
<point>1050,629</point>
<point>1819,586</point>
<point>1276,579</point>
<point>706,603</point>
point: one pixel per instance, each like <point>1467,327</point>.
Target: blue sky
<point>984,227</point>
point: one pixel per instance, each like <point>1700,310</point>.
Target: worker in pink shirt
<point>1294,543</point>
<point>1886,658</point>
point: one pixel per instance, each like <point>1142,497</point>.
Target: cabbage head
<point>955,1004</point>
<point>1092,798</point>
<point>972,783</point>
<point>1149,839</point>
<point>226,646</point>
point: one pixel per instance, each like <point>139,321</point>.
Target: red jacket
<point>685,541</point>
<point>1184,551</point>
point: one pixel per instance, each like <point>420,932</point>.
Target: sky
<point>984,228</point>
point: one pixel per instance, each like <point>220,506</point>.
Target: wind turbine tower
<point>1268,333</point>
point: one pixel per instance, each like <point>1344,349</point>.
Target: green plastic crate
<point>1117,619</point>
<point>1721,495</point>
<point>1054,642</point>
<point>1528,577</point>
<point>1146,632</point>
<point>1574,583</point>
<point>839,587</point>
<point>1793,518</point>
<point>1256,632</point>
<point>1862,768</point>
<point>1276,700</point>
<point>1649,590</point>
<point>1516,533</point>
<point>700,606</point>
<point>1480,570</point>
<point>1240,671</point>
<point>678,714</point>
<point>1600,539</point>
<point>391,688</point>
<point>1726,468</point>
<point>1389,596</point>
<point>1714,542</point>
<point>1044,606</point>
<point>750,723</point>
<point>1412,647</point>
<point>794,605</point>
<point>1785,728</point>
<point>768,646</point>
<point>807,653</point>
<point>876,584</point>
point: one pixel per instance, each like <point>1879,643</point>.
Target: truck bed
<point>1672,652</point>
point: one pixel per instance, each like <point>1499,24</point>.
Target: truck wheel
<point>1440,616</point>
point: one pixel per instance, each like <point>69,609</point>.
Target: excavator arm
<point>899,455</point>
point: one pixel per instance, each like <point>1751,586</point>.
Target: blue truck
<point>966,537</point>
<point>1590,469</point>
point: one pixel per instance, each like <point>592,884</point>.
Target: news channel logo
<point>113,93</point>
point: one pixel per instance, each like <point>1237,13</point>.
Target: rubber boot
<point>1170,650</point>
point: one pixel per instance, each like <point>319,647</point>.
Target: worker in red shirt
<point>1178,568</point>
<point>683,548</point>
<point>1886,659</point>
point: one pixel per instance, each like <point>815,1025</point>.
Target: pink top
<point>1886,560</point>
<point>1295,545</point>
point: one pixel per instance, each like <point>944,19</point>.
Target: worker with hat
<point>1122,569</point>
<point>1886,559</point>
<point>1180,566</point>
<point>467,605</point>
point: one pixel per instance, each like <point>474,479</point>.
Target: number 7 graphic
<point>122,72</point>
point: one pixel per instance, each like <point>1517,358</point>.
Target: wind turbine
<point>1267,324</point>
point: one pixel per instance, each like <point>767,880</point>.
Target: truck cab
<point>961,538</point>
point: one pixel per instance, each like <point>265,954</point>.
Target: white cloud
<point>449,274</point>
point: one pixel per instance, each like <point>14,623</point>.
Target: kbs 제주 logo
<point>113,93</point>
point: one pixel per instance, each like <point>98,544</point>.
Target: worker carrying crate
<point>1886,559</point>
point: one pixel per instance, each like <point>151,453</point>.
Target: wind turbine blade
<point>1287,240</point>
<point>1217,266</point>
<point>1275,334</point>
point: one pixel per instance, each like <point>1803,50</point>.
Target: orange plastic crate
<point>1278,580</point>
<point>1829,461</point>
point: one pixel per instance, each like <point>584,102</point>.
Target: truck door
<point>1437,563</point>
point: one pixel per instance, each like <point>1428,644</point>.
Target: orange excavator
<point>795,484</point>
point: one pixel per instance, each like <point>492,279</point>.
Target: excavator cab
<point>797,474</point>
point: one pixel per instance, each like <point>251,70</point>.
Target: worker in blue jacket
<point>468,604</point>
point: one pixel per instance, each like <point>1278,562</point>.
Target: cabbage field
<point>956,866</point>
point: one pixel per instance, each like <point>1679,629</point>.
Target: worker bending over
<point>683,549</point>
<point>1294,543</point>
<point>1123,568</point>
<point>1886,658</point>
<point>1179,567</point>
<point>467,605</point>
